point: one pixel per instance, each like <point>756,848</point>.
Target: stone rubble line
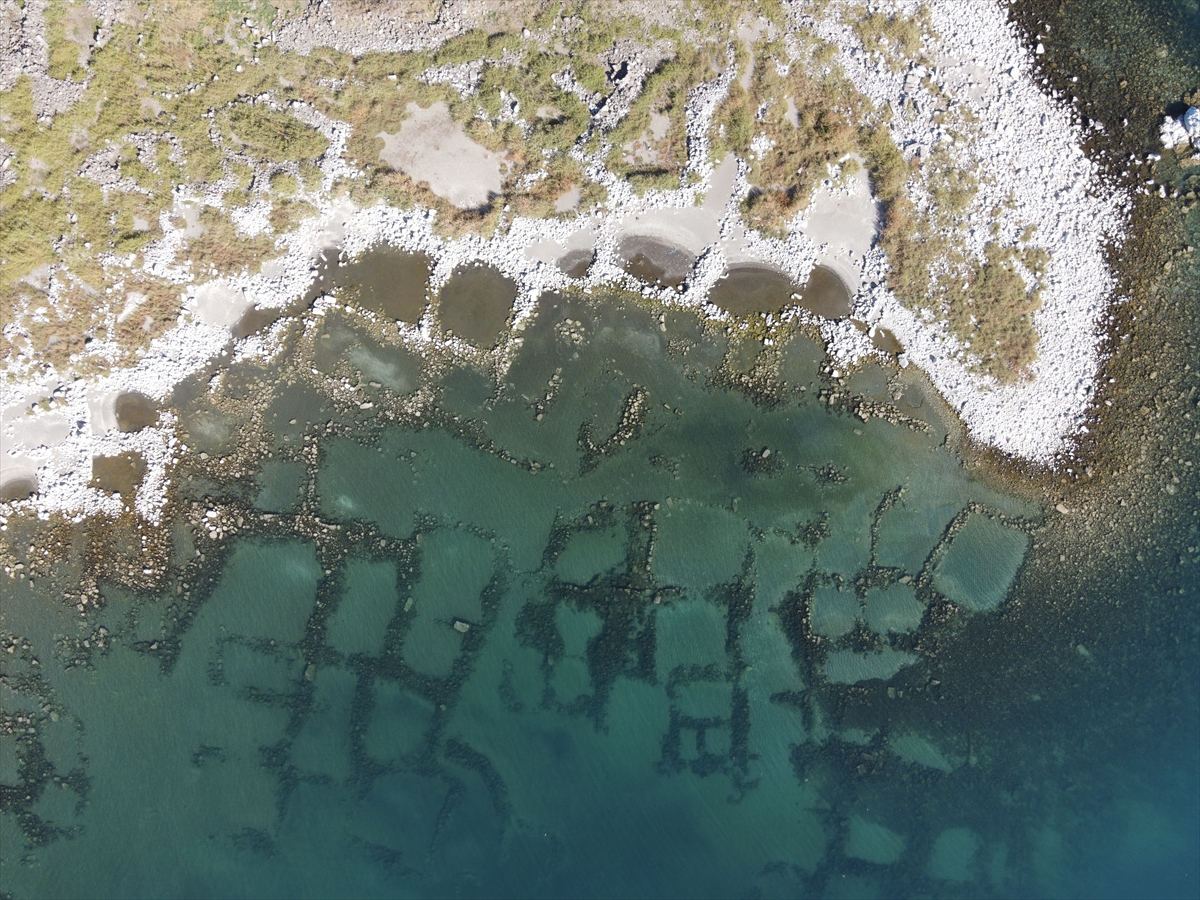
<point>1032,152</point>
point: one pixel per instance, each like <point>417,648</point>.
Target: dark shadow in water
<point>20,488</point>
<point>475,304</point>
<point>254,320</point>
<point>118,474</point>
<point>135,411</point>
<point>655,261</point>
<point>883,339</point>
<point>825,294</point>
<point>388,281</point>
<point>576,263</point>
<point>746,290</point>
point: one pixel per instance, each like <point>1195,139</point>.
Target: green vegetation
<point>166,105</point>
<point>650,142</point>
<point>987,304</point>
<point>810,123</point>
<point>373,102</point>
<point>220,250</point>
<point>70,32</point>
<point>287,213</point>
<point>272,135</point>
<point>898,39</point>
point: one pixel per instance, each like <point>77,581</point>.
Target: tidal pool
<point>475,304</point>
<point>655,261</point>
<point>754,289</point>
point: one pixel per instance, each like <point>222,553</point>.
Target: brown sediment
<point>751,289</point>
<point>254,320</point>
<point>119,474</point>
<point>135,411</point>
<point>475,304</point>
<point>20,488</point>
<point>825,294</point>
<point>388,281</point>
<point>655,261</point>
<point>576,263</point>
<point>748,289</point>
<point>883,339</point>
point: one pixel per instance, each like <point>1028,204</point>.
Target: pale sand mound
<point>842,222</point>
<point>431,147</point>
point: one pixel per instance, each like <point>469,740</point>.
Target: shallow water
<point>135,411</point>
<point>475,304</point>
<point>566,635</point>
<point>747,290</point>
<point>658,614</point>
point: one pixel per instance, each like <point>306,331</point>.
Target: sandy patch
<point>694,228</point>
<point>550,252</point>
<point>216,303</point>
<point>645,149</point>
<point>568,200</point>
<point>431,147</point>
<point>842,223</point>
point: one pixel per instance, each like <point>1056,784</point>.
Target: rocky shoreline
<point>1028,150</point>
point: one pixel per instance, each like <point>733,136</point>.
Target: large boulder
<point>1178,132</point>
<point>1191,121</point>
<point>1173,134</point>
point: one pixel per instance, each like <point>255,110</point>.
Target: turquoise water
<point>662,611</point>
<point>641,619</point>
<point>578,632</point>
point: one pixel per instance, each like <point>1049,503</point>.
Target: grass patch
<point>287,213</point>
<point>70,34</point>
<point>898,39</point>
<point>663,96</point>
<point>562,174</point>
<point>220,250</point>
<point>272,134</point>
<point>987,304</point>
<point>808,122</point>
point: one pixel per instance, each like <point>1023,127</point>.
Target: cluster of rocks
<point>1177,133</point>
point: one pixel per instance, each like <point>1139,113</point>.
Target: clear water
<point>664,612</point>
